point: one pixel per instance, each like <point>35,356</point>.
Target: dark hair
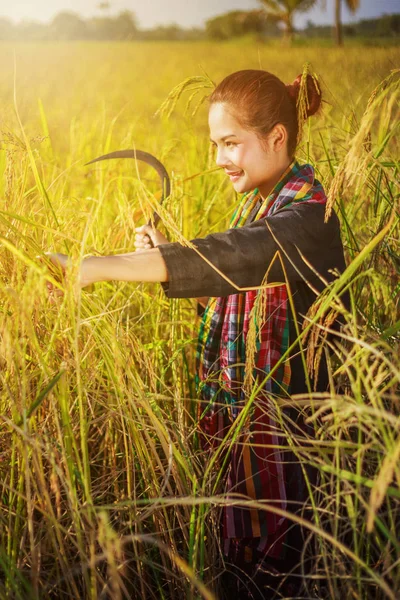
<point>259,100</point>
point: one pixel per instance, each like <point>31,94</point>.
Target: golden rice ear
<point>193,85</point>
<point>355,168</point>
<point>303,101</point>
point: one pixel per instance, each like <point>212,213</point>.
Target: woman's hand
<point>147,238</point>
<point>146,266</point>
<point>142,242</point>
<point>58,260</point>
<point>59,265</point>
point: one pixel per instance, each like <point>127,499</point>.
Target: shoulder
<point>307,217</point>
<point>300,229</point>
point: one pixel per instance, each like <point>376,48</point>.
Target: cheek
<point>239,156</point>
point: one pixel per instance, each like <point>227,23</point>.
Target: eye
<point>230,144</point>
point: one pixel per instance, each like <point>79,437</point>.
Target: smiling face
<point>248,161</point>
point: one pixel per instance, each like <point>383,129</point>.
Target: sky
<point>187,13</point>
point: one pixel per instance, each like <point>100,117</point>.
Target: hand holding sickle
<point>147,236</point>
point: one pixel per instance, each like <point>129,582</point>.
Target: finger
<point>54,263</point>
<point>142,237</point>
<point>53,297</point>
<point>141,230</point>
<point>52,289</point>
<point>148,236</point>
<point>146,230</point>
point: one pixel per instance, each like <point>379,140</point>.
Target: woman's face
<point>248,162</point>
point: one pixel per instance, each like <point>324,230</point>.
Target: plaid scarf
<point>256,466</point>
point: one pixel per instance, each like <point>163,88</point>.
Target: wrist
<point>90,271</point>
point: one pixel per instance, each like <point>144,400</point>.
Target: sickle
<point>150,160</point>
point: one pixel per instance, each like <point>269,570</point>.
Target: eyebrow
<point>225,137</point>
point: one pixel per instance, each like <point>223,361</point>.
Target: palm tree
<point>351,5</point>
<point>283,10</point>
<point>104,7</point>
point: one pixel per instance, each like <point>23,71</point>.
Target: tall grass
<point>104,490</point>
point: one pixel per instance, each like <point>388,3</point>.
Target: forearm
<point>147,266</point>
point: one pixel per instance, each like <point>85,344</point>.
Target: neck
<point>279,170</point>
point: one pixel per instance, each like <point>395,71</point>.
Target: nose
<point>220,159</point>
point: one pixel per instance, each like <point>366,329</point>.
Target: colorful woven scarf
<point>255,465</point>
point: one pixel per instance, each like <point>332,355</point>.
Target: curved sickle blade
<point>148,159</point>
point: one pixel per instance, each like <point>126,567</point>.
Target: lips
<point>233,175</point>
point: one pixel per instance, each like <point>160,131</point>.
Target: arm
<point>146,237</point>
<point>245,254</point>
<point>147,266</point>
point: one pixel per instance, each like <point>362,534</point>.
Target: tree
<point>104,6</point>
<point>124,26</point>
<point>6,29</point>
<point>351,5</point>
<point>389,25</point>
<point>240,22</point>
<point>283,10</point>
<point>68,26</point>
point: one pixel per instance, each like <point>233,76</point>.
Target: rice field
<point>104,490</point>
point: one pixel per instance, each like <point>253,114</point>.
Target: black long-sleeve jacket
<point>244,254</point>
<point>311,251</point>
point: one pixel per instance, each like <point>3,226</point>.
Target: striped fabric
<point>255,463</point>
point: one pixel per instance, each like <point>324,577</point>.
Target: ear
<point>278,137</point>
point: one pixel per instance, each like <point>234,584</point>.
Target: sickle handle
<point>150,160</point>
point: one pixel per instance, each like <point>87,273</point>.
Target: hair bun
<point>314,95</point>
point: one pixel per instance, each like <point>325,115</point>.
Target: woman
<point>277,236</point>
